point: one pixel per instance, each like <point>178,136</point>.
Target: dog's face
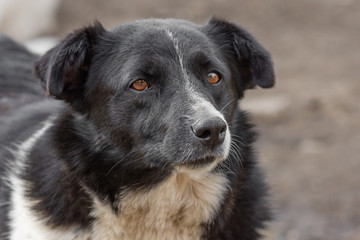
<point>166,90</point>
<point>162,91</point>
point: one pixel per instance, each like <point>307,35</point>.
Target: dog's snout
<point>211,131</point>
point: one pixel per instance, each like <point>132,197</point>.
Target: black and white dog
<point>148,141</point>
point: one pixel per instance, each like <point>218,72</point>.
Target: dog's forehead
<point>165,47</point>
<point>162,35</point>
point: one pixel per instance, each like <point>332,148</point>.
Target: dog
<point>139,134</point>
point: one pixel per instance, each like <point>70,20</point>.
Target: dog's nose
<point>211,131</point>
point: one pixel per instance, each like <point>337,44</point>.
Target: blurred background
<point>309,123</point>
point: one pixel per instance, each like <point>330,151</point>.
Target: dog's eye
<point>140,85</point>
<point>213,78</point>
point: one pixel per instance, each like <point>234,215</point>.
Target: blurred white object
<point>25,19</point>
<point>41,45</point>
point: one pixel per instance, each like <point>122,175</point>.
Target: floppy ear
<point>63,70</point>
<point>252,61</point>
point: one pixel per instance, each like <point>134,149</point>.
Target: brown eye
<point>140,85</point>
<point>213,78</point>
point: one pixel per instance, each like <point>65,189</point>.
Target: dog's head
<point>162,91</point>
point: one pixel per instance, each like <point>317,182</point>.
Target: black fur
<point>108,137</point>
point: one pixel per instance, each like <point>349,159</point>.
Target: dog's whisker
<point>238,142</point>
<point>227,105</point>
<point>118,162</point>
<point>237,154</point>
<point>237,136</point>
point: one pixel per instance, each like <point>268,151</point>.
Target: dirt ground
<point>309,124</point>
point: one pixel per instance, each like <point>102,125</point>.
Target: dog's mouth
<point>200,163</point>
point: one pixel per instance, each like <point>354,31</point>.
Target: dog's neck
<point>178,208</point>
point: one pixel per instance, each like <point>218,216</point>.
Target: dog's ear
<point>63,70</point>
<point>251,59</point>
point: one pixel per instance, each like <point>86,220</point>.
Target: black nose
<point>211,131</point>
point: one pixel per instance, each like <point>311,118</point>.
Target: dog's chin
<point>200,163</point>
<point>207,163</point>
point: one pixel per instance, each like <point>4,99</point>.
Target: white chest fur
<point>176,209</point>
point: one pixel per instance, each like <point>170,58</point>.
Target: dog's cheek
<point>229,104</point>
<point>139,123</point>
<point>225,99</point>
<point>151,125</point>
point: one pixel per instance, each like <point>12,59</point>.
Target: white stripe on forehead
<point>178,52</point>
<point>199,104</point>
